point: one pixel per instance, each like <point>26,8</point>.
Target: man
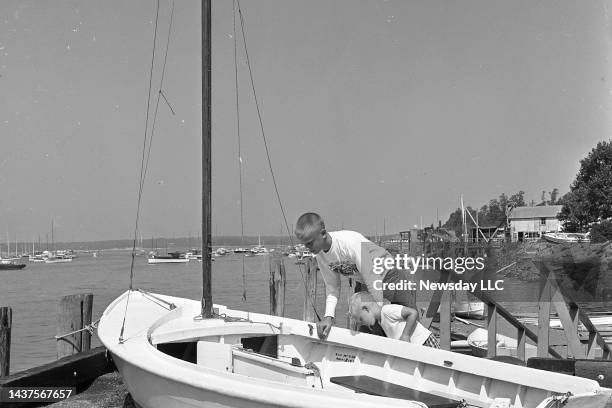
<point>350,254</point>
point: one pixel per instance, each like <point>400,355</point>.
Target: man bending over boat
<point>350,254</point>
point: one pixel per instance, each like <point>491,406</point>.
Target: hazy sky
<point>379,109</point>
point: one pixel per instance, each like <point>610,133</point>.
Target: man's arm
<point>332,291</point>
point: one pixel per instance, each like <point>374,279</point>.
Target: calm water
<point>34,292</point>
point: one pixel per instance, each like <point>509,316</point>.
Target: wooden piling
<point>491,329</point>
<point>445,321</point>
<point>74,313</point>
<point>277,286</point>
<point>6,319</point>
<point>310,290</point>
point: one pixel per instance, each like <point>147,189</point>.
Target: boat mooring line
<point>90,328</point>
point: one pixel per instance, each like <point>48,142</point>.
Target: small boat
<point>58,257</point>
<point>470,310</point>
<point>506,346</point>
<point>238,359</point>
<point>567,237</point>
<point>220,252</point>
<point>172,257</point>
<point>4,266</point>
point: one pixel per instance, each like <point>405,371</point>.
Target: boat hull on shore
<point>168,358</point>
<point>506,346</point>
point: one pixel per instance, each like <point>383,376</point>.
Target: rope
<point>89,327</point>
<point>244,297</point>
<point>263,135</point>
<point>144,161</point>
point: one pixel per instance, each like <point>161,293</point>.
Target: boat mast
<point>207,310</point>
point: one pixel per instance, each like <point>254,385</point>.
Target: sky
<point>377,114</point>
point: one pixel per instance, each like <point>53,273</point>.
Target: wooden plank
<point>73,371</point>
<point>74,313</point>
<point>491,329</point>
<point>375,386</point>
<point>277,286</point>
<point>521,341</point>
<point>310,290</point>
<point>6,319</point>
<point>509,317</point>
<point>544,316</point>
<point>570,325</point>
<point>445,321</point>
<point>582,317</point>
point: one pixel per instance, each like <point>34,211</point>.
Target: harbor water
<point>33,293</point>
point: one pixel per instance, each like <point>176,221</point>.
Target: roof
<point>544,211</point>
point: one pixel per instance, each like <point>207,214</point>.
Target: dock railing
<point>551,296</point>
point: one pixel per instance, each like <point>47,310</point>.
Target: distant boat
<point>172,257</point>
<point>220,252</point>
<point>506,346</point>
<point>58,258</point>
<point>194,254</point>
<point>10,265</point>
<point>567,237</point>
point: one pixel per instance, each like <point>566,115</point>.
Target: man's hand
<point>324,326</point>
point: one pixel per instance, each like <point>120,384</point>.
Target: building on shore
<point>528,223</point>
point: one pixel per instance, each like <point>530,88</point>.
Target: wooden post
<point>310,290</point>
<point>6,319</point>
<point>445,321</point>
<point>74,313</point>
<point>492,329</point>
<point>544,315</point>
<point>277,286</point>
<point>521,338</point>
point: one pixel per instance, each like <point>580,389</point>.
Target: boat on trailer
<point>168,358</point>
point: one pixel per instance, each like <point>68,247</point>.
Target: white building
<point>532,222</point>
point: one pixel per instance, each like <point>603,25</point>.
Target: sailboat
<point>176,352</point>
<point>57,256</point>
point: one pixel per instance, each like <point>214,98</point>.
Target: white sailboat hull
<point>222,372</point>
<point>58,260</point>
<point>167,261</point>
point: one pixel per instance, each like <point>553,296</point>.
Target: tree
<point>602,232</point>
<point>590,196</point>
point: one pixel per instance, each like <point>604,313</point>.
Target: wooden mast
<point>207,310</point>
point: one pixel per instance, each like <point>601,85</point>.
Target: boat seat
<point>373,386</point>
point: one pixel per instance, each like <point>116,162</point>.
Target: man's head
<point>310,230</point>
<point>363,308</point>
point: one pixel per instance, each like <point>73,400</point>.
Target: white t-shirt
<point>393,324</point>
<point>351,255</point>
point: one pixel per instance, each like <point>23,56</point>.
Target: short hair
<point>358,300</point>
<point>309,222</point>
